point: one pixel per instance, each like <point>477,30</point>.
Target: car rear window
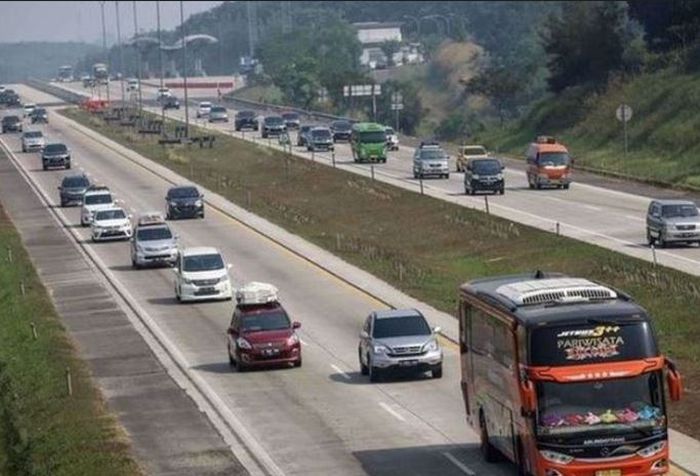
<point>265,321</point>
<point>33,134</point>
<point>183,192</point>
<point>55,148</point>
<point>75,182</point>
<point>400,326</point>
<point>218,109</point>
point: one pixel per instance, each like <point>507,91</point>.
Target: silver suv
<point>429,159</point>
<point>672,221</point>
<point>153,242</point>
<point>398,339</point>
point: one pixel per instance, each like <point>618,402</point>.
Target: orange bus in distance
<point>548,164</point>
<point>563,377</point>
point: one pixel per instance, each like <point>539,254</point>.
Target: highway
<point>323,418</point>
<point>606,217</point>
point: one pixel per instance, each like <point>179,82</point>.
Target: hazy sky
<point>80,21</point>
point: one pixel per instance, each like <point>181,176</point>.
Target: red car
<point>261,333</point>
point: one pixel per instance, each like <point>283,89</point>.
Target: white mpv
<point>201,274</point>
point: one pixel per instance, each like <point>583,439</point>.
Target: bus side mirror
<point>527,390</point>
<point>674,381</point>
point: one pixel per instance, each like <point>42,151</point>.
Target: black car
<point>169,102</point>
<point>184,201</point>
<point>484,175</point>
<point>246,119</point>
<point>341,130</point>
<point>291,120</point>
<point>319,138</point>
<point>72,189</point>
<point>9,98</point>
<point>273,126</point>
<point>55,155</point>
<point>39,115</point>
<point>11,124</point>
<point>303,135</point>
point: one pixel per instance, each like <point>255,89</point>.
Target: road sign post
<point>373,90</point>
<point>624,114</point>
<point>397,105</point>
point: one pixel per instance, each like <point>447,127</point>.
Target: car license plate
<point>609,472</point>
<point>269,352</point>
<point>206,291</point>
<point>408,363</point>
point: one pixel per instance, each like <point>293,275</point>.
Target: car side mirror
<point>174,270</point>
<point>130,216</point>
<point>59,187</point>
<point>201,197</point>
<point>364,335</point>
<point>229,266</point>
<point>131,239</point>
<point>437,329</point>
<point>527,391</point>
<point>674,381</point>
<point>296,325</point>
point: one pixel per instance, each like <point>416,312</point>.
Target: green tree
<point>500,86</point>
<point>410,115</point>
<point>587,42</point>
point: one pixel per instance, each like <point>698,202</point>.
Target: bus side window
<point>505,351</point>
<point>481,338</point>
<point>465,312</point>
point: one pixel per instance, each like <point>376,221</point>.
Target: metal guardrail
<point>70,97</point>
<point>277,108</point>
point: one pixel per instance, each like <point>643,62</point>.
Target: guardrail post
<point>333,157</point>
<point>34,333</point>
<point>248,198</point>
<point>372,170</point>
<point>558,229</point>
<point>313,154</point>
<point>9,254</point>
<point>653,254</point>
<point>486,204</point>
<point>421,183</point>
<point>22,290</point>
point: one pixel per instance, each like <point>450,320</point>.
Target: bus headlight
<point>555,457</point>
<point>651,450</point>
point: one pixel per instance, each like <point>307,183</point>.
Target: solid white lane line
<point>303,342</point>
<point>343,374</point>
<point>458,463</point>
<point>591,207</point>
<point>391,411</point>
<point>635,218</point>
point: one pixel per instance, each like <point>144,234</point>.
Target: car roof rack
<point>151,218</point>
<point>545,140</point>
<point>543,290</point>
<point>256,293</point>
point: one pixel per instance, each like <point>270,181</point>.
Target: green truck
<point>368,142</point>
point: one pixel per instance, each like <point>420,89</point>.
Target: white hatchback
<point>94,200</point>
<point>28,108</point>
<point>201,274</point>
<point>204,109</point>
<point>111,224</point>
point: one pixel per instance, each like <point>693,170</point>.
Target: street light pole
<point>121,52</point>
<point>104,48</point>
<point>160,61</point>
<point>184,70</point>
<point>138,58</point>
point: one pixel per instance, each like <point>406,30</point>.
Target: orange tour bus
<point>563,377</point>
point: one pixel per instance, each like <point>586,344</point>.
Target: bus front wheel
<point>488,451</point>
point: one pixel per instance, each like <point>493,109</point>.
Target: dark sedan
<point>342,130</point>
<point>11,124</point>
<point>184,201</point>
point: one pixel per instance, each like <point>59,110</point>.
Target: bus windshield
<point>600,409</point>
<point>375,137</point>
<point>553,159</point>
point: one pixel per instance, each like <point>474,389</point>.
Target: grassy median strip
<point>422,245</point>
<point>43,430</point>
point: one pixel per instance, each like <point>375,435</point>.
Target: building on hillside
<point>373,35</point>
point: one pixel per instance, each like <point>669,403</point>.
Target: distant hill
<point>39,59</point>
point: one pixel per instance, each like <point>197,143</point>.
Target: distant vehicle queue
<point>560,375</point>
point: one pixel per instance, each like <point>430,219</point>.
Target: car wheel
<point>566,186</point>
<point>447,176</point>
<point>67,165</point>
<point>364,370</point>
<point>502,191</point>
<point>437,371</point>
<point>488,451</point>
<point>201,215</point>
<point>24,149</point>
<point>63,204</point>
<point>660,242</point>
<point>297,363</point>
<point>177,294</point>
<point>231,360</point>
<point>375,373</point>
<point>650,239</point>
<point>45,167</point>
